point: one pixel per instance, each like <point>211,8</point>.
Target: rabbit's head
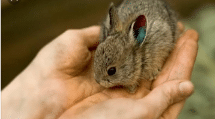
<point>114,62</point>
<point>130,50</point>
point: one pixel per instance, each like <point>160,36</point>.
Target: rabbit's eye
<point>111,71</point>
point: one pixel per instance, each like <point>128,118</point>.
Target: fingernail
<point>186,88</point>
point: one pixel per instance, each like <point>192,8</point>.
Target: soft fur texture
<point>118,47</point>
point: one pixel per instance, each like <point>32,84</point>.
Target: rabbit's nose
<point>106,80</point>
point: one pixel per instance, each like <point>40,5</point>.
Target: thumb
<point>90,36</point>
<point>160,98</point>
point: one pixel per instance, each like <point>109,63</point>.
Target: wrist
<point>29,95</point>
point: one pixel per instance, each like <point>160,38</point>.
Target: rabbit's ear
<point>115,22</point>
<point>137,30</point>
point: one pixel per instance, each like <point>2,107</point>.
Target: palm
<point>71,66</point>
<point>59,82</point>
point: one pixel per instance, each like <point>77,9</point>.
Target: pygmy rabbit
<point>136,38</point>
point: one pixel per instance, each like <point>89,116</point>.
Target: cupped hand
<point>59,82</point>
<point>157,103</point>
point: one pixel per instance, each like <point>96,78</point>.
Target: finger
<point>185,50</point>
<point>182,69</point>
<point>170,61</point>
<point>181,27</point>
<point>189,47</point>
<point>165,95</point>
<point>173,111</point>
<point>90,36</point>
<point>185,67</point>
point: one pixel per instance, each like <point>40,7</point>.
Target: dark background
<point>27,26</point>
<point>30,24</point>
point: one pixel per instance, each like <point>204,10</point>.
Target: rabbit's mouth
<point>108,83</point>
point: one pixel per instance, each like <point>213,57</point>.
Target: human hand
<point>178,66</point>
<point>60,79</point>
<point>151,106</point>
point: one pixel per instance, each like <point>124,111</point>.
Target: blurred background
<point>30,24</point>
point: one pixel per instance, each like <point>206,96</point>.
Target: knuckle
<point>191,44</point>
<point>193,34</point>
<point>169,94</point>
<point>68,31</point>
<point>71,32</point>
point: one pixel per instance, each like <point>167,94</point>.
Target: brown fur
<point>119,48</point>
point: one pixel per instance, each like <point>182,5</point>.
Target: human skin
<point>59,82</point>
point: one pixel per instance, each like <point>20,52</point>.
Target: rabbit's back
<point>152,9</point>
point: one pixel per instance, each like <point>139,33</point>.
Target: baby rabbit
<point>135,40</point>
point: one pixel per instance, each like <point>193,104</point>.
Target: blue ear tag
<point>142,34</point>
